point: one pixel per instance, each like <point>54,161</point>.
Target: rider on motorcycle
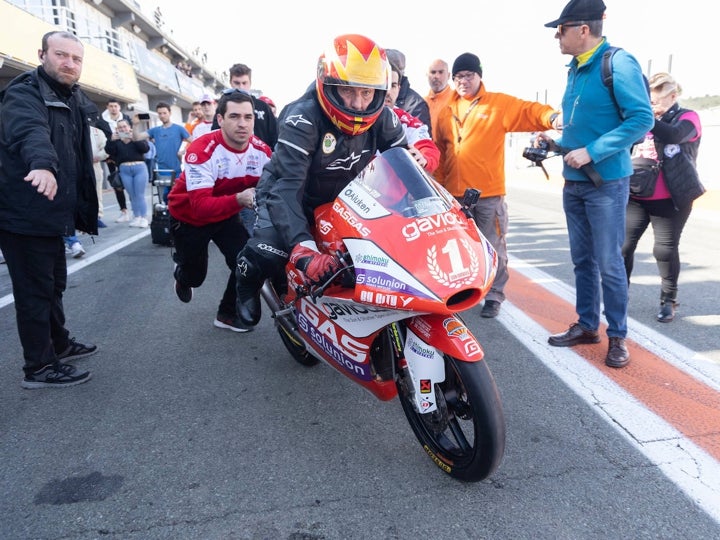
<point>326,138</point>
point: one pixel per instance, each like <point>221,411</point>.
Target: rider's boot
<point>249,279</point>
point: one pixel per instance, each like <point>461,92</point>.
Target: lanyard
<point>459,123</point>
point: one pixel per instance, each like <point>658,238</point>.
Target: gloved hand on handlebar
<point>317,267</point>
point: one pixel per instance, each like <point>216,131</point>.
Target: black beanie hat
<point>467,62</point>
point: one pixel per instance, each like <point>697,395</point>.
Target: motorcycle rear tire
<point>466,437</point>
<point>296,349</point>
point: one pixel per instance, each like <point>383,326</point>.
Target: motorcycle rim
<point>466,436</point>
<point>296,348</point>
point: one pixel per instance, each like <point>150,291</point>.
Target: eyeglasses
<point>463,76</point>
<point>229,91</point>
<point>561,27</point>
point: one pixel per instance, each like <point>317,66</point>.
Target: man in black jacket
<point>47,191</point>
<point>408,99</point>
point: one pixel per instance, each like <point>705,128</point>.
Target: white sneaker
<point>144,223</point>
<point>77,250</point>
<point>135,222</point>
<point>124,217</point>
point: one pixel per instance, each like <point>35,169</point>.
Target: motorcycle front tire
<point>465,437</point>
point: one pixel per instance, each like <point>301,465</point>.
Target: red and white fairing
<point>416,256</point>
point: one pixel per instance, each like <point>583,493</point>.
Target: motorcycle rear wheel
<point>296,348</point>
<point>466,436</point>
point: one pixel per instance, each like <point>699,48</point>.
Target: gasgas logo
<point>354,222</point>
<point>330,339</point>
<point>430,225</point>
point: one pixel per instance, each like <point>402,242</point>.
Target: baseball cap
<point>580,10</point>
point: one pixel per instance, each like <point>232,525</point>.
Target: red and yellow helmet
<point>352,60</point>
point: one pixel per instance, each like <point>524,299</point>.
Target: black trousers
<point>667,224</point>
<point>191,254</point>
<point>38,271</point>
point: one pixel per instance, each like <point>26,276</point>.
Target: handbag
<point>644,177</point>
<point>114,180</point>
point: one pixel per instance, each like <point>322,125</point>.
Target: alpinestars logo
<point>296,119</point>
<point>345,164</point>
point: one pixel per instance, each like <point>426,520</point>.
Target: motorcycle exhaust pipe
<point>282,315</point>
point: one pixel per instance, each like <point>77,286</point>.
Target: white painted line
<point>691,362</point>
<point>79,264</point>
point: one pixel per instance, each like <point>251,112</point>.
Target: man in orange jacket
<point>440,90</point>
<point>471,138</point>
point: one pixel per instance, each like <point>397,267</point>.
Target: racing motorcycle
<point>411,261</point>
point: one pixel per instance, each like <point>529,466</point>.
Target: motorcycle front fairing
<point>411,245</point>
<point>415,255</point>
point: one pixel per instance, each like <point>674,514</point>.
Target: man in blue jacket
<point>47,191</point>
<point>598,133</point>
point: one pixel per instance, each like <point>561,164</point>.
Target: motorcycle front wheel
<point>465,437</point>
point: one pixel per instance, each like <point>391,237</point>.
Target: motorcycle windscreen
<point>401,186</point>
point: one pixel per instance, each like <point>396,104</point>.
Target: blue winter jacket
<point>606,127</point>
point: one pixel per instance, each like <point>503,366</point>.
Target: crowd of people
<point>248,178</point>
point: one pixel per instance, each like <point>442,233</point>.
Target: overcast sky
<point>519,55</point>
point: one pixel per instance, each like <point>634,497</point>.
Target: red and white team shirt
<point>200,129</point>
<point>418,135</point>
<point>213,174</point>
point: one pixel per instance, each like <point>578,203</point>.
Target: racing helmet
<point>352,60</point>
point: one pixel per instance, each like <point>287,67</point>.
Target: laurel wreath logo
<point>442,277</point>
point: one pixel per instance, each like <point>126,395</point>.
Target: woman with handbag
<point>662,194</point>
<point>129,155</point>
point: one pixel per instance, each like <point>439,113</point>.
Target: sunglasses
<point>234,90</point>
<point>561,27</point>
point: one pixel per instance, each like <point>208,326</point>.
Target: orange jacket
<point>436,102</point>
<point>471,139</point>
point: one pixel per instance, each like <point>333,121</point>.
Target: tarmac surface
<point>189,431</point>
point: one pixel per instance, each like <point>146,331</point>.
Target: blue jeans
<point>70,240</point>
<point>596,229</point>
<point>135,179</point>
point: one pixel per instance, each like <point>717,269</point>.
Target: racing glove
<point>317,267</point>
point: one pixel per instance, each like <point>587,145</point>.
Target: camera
<point>537,154</point>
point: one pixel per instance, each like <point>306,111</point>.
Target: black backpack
<point>607,72</point>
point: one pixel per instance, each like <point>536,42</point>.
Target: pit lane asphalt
<point>189,431</point>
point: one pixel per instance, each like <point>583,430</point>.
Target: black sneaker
<point>77,350</point>
<point>55,376</point>
<point>230,323</point>
<point>183,293</point>
<point>491,309</point>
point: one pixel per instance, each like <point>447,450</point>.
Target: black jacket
<point>313,160</point>
<point>40,129</point>
<point>677,144</point>
<point>266,125</point>
<point>409,100</point>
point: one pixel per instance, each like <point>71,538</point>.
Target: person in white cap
<point>208,105</point>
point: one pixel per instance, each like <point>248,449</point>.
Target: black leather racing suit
<point>312,161</point>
